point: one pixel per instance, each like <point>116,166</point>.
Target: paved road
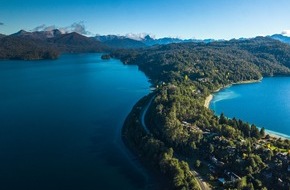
<point>202,184</point>
<point>143,114</point>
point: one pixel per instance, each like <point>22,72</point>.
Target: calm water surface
<point>60,123</point>
<point>266,104</point>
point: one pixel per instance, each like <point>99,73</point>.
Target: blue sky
<point>218,19</point>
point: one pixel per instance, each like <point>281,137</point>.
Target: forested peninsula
<point>171,130</point>
<point>184,136</point>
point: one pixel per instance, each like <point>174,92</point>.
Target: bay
<point>60,123</point>
<point>265,104</point>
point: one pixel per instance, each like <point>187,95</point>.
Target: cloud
<point>38,28</point>
<point>1,24</point>
<point>49,28</point>
<point>286,32</point>
<point>139,36</point>
<point>78,27</point>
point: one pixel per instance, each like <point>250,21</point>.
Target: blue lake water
<point>60,124</point>
<point>265,104</point>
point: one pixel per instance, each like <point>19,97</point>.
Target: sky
<point>199,19</point>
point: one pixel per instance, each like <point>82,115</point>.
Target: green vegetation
<point>155,153</point>
<point>225,151</point>
<point>30,46</point>
<point>26,49</point>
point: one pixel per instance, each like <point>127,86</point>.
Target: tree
<point>223,119</point>
<point>255,132</point>
<point>262,132</point>
<point>197,163</point>
<point>211,148</point>
<point>250,186</point>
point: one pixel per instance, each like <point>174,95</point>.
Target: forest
<point>35,45</point>
<point>185,136</point>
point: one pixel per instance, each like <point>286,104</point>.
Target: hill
<point>46,45</point>
<point>281,38</point>
<point>14,47</point>
<point>2,35</point>
<point>149,41</point>
<point>185,136</point>
<point>141,42</point>
<point>124,43</point>
<point>40,35</point>
<point>76,43</point>
<point>120,42</point>
<point>221,62</point>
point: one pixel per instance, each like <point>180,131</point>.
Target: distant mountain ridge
<point>46,45</point>
<point>119,42</point>
<point>74,42</point>
<point>147,40</point>
<point>42,35</point>
<point>16,47</point>
<point>50,44</point>
<point>281,38</point>
<point>2,35</point>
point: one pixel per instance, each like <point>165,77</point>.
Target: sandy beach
<point>273,134</point>
<point>210,97</point>
<point>207,101</point>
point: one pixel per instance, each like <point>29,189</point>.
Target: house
<point>222,180</point>
<point>232,176</point>
<point>220,164</point>
<point>216,162</point>
<point>282,156</point>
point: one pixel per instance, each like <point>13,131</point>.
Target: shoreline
<point>277,135</point>
<point>210,97</point>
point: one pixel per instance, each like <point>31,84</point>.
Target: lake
<point>60,124</point>
<point>265,104</point>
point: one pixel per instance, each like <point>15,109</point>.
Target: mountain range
<point>127,42</point>
<point>46,45</point>
<point>281,38</point>
<point>50,44</point>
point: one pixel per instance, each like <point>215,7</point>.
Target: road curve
<point>201,183</point>
<point>143,114</point>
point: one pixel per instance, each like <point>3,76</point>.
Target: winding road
<point>203,185</point>
<point>143,114</point>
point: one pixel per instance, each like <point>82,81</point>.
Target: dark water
<point>60,124</point>
<point>266,104</point>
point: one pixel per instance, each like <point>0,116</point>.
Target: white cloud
<point>139,36</point>
<point>286,32</point>
<point>49,28</point>
<point>78,27</point>
<point>38,28</point>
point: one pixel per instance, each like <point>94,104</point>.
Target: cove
<point>61,120</point>
<point>265,104</point>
